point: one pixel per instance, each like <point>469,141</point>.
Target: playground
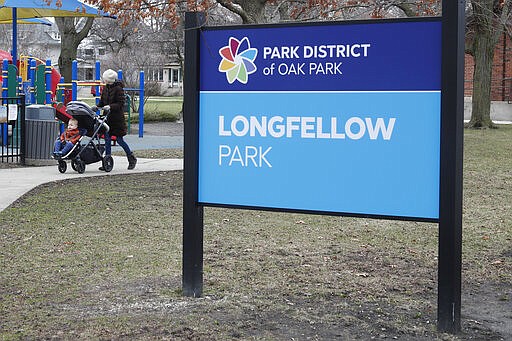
<point>34,82</point>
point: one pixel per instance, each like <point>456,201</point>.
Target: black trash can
<point>41,131</point>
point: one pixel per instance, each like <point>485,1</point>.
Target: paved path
<point>14,182</point>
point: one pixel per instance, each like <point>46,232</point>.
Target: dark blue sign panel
<point>341,118</point>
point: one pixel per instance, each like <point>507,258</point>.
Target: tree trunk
<point>482,50</point>
<point>70,38</point>
<point>484,56</point>
<point>68,53</point>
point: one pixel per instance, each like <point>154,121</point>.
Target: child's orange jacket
<point>71,135</point>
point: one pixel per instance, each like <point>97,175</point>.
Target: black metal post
<point>452,137</point>
<point>192,212</point>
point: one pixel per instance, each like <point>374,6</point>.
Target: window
<point>85,74</point>
<point>154,75</point>
<point>89,74</point>
<point>174,77</point>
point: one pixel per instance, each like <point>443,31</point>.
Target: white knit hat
<point>109,76</point>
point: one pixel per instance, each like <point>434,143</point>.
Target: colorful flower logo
<point>238,60</point>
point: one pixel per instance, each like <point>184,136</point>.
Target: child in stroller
<point>89,148</point>
<point>66,141</point>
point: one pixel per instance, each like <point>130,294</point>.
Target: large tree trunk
<point>484,28</point>
<point>483,56</point>
<point>70,39</point>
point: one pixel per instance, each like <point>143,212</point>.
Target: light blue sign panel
<point>367,147</point>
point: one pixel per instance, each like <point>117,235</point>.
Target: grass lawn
<point>156,109</point>
<point>100,258</point>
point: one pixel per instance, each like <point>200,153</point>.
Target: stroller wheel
<point>62,166</point>
<point>108,163</point>
<point>81,167</point>
<point>78,165</point>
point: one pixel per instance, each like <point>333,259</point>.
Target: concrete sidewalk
<point>151,142</point>
<point>14,182</point>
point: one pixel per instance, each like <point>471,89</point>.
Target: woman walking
<point>113,99</point>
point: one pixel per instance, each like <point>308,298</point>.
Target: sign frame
<point>450,180</point>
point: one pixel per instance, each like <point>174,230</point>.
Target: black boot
<point>132,161</point>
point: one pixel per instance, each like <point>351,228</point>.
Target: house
<point>169,77</point>
<point>39,41</point>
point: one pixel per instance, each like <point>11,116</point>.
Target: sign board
<point>12,112</point>
<point>356,118</point>
<point>340,118</point>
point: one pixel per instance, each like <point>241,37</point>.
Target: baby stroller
<point>89,148</point>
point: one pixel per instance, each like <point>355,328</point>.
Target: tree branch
<point>230,6</point>
<point>85,30</point>
<point>407,9</point>
<point>503,20</point>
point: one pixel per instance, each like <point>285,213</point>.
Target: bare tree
<point>132,48</point>
<point>113,35</point>
<point>72,32</point>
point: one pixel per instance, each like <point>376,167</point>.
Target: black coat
<point>113,95</point>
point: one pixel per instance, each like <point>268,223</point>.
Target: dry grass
<point>105,263</point>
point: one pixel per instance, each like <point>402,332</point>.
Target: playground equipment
<point>96,84</point>
<point>140,90</point>
<point>34,85</point>
<point>36,78</point>
<point>9,90</point>
<point>42,84</point>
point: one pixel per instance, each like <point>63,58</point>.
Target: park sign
<point>338,118</point>
<point>361,118</point>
